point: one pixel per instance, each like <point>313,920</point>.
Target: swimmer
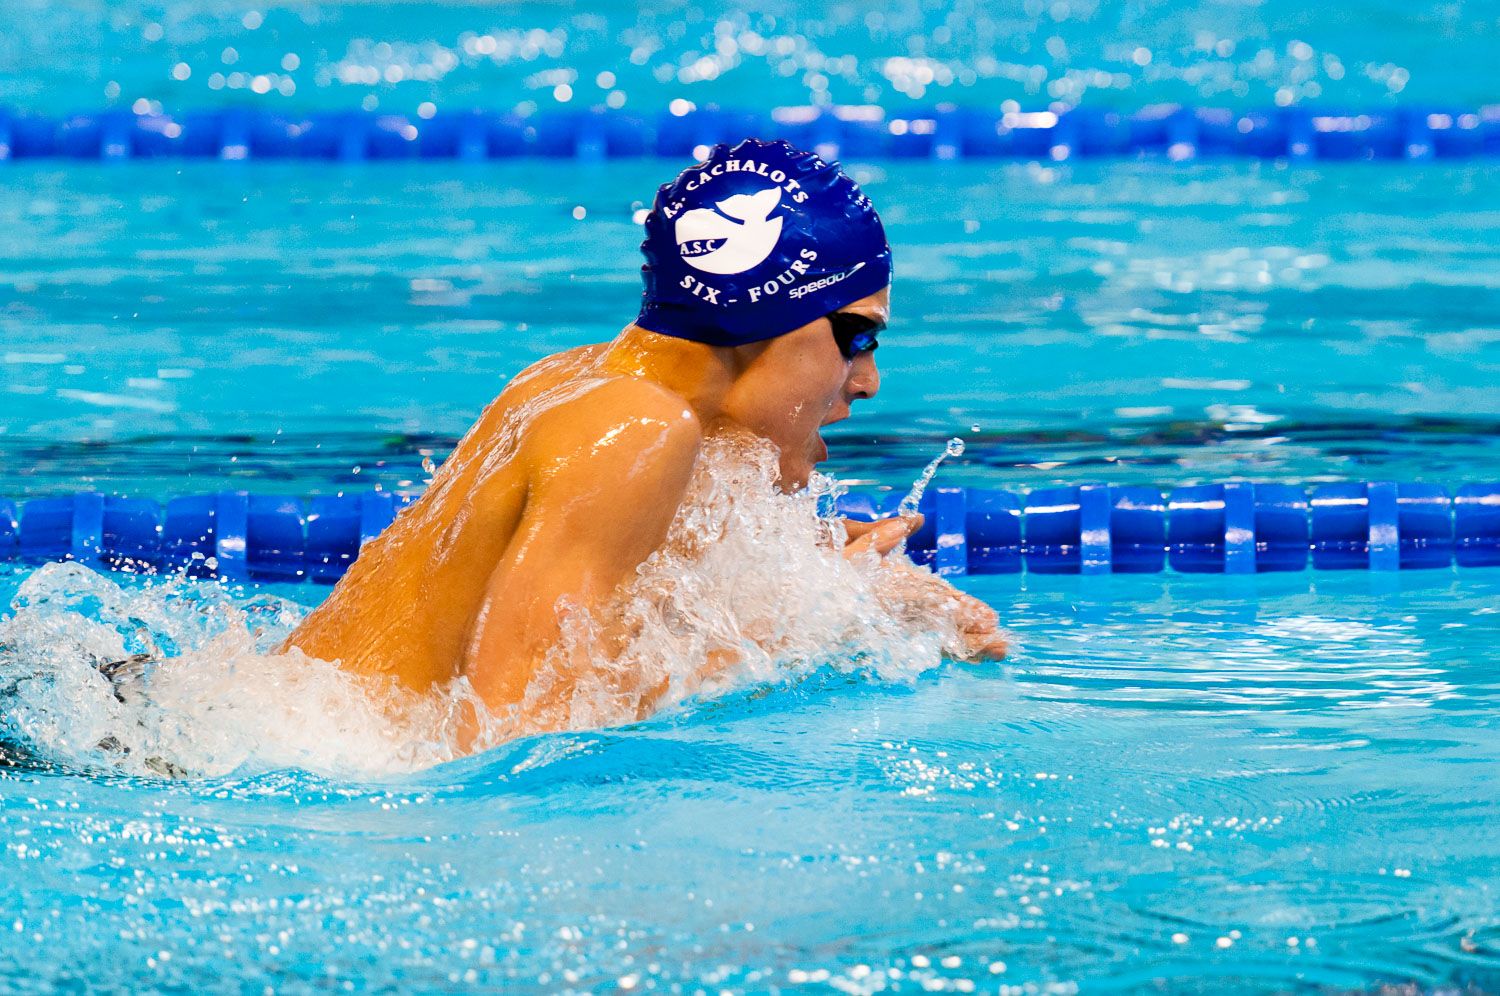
<point>767,280</point>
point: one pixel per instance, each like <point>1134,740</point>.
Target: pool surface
<point>1270,784</point>
<point>1126,323</point>
<point>1194,784</point>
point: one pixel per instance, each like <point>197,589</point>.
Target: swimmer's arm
<point>910,589</point>
<point>600,503</point>
<point>876,538</point>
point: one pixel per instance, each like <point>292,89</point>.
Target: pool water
<point>1273,784</point>
<point>1270,784</point>
<point>1128,323</point>
<point>393,55</point>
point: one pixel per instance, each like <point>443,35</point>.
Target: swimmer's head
<point>756,241</point>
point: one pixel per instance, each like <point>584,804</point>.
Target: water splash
<point>203,692</point>
<point>913,499</point>
<point>751,588</point>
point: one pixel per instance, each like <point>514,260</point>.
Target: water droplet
<point>913,500</point>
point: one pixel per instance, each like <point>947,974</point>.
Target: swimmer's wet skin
<point>767,280</point>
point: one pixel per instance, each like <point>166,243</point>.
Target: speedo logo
<point>821,282</point>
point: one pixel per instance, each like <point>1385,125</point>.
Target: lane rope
<point>1235,528</point>
<point>945,132</point>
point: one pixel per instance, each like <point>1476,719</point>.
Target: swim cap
<point>756,241</point>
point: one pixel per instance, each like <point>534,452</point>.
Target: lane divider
<point>1234,528</point>
<point>941,132</point>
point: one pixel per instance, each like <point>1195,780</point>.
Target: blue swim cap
<point>756,241</point>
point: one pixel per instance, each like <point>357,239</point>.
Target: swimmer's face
<point>796,383</point>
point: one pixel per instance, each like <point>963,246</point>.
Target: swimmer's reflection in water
<point>767,281</point>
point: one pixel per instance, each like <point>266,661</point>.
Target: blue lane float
<point>942,132</point>
<point>1234,528</point>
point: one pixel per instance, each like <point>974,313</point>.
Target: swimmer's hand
<point>920,593</point>
<point>882,535</point>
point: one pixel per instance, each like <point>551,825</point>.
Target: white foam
<point>217,702</point>
<point>751,587</point>
<point>748,575</point>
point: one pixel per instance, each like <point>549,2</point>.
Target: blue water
<point>1188,784</point>
<point>1132,322</point>
<point>1200,784</point>
<point>395,55</point>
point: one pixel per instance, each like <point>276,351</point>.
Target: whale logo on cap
<point>732,236</point>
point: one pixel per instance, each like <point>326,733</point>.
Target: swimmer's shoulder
<point>557,367</point>
<point>617,424</point>
<point>540,386</point>
<point>575,389</point>
<point>619,407</point>
<point>567,400</point>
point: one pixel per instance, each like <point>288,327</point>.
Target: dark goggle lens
<point>855,334</point>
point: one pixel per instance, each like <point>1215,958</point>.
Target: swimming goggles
<point>855,334</point>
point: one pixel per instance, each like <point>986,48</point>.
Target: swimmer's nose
<point>864,378</point>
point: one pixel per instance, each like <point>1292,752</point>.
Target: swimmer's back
<point>409,605</point>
